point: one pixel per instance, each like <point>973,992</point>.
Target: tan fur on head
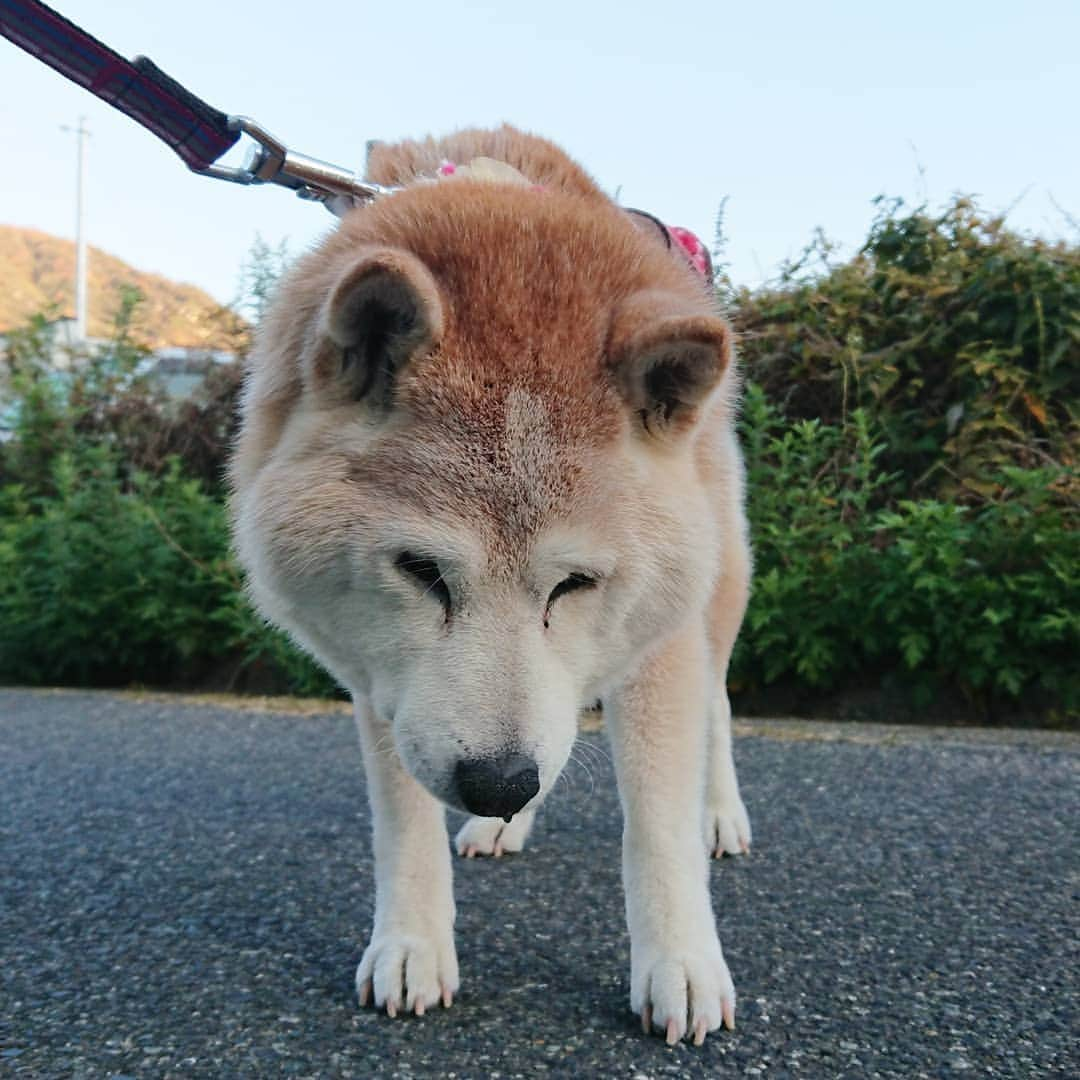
<point>530,279</point>
<point>493,375</point>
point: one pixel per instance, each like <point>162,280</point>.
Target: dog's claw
<point>364,994</point>
<point>687,995</point>
<point>447,997</point>
<point>391,1010</point>
<point>727,1009</point>
<point>493,836</point>
<point>419,1009</point>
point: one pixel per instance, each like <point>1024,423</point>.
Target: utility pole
<point>81,133</point>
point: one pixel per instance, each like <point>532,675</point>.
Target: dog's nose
<point>496,787</point>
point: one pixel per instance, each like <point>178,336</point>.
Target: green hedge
<point>911,431</point>
<point>959,338</point>
<point>853,584</point>
<point>910,427</point>
<point>114,553</point>
<point>107,581</point>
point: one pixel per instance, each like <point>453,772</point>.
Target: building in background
<point>177,370</point>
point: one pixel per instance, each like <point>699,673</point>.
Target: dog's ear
<point>383,313</point>
<point>666,364</point>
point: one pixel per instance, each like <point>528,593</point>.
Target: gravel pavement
<point>185,891</point>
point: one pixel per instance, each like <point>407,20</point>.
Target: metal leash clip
<point>272,162</point>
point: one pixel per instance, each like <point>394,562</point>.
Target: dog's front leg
<point>679,981</point>
<point>411,961</point>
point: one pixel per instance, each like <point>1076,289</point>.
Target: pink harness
<point>695,250</point>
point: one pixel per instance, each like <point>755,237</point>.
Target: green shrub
<point>114,551</point>
<point>855,581</point>
<point>959,338</point>
<point>910,427</point>
<point>106,582</point>
<point>911,430</point>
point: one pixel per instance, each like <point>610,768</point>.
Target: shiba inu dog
<point>487,475</point>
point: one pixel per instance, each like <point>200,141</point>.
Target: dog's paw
<point>727,828</point>
<point>493,836</point>
<point>680,994</point>
<point>408,972</point>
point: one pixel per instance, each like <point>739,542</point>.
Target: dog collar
<point>687,243</point>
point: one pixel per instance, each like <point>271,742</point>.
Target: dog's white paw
<point>408,972</point>
<point>683,993</point>
<point>727,828</point>
<point>493,836</point>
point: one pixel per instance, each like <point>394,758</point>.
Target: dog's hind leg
<point>727,826</point>
<point>493,836</point>
<point>410,963</point>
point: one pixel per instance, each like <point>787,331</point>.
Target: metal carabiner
<point>270,161</point>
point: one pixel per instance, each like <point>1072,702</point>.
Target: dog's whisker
<point>568,775</point>
<point>440,580</point>
<point>594,751</point>
<point>384,747</point>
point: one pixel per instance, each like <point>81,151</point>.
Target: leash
<point>201,134</point>
<point>196,131</point>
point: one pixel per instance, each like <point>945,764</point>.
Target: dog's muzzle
<point>496,787</point>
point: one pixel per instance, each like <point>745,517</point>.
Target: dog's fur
<point>518,383</point>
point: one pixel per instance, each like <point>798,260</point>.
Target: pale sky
<point>799,113</point>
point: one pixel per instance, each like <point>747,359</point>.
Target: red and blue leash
<point>201,134</point>
<point>198,132</point>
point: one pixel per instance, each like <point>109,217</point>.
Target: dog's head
<point>468,479</point>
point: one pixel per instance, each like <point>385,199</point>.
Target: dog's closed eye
<point>427,574</point>
<point>571,584</point>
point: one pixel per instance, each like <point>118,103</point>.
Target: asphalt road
<point>185,891</point>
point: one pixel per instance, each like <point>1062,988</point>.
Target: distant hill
<point>37,274</point>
